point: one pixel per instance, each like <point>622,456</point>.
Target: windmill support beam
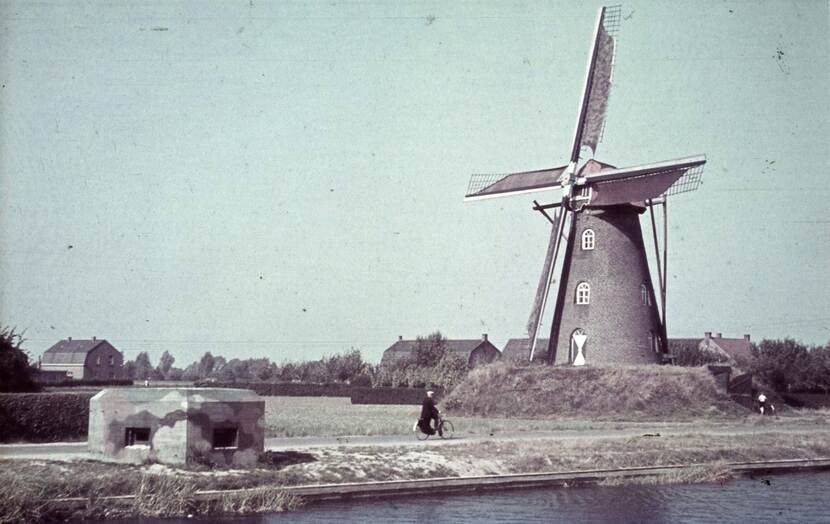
<point>563,215</point>
<point>659,264</point>
<point>661,269</point>
<point>542,209</point>
<point>665,273</point>
<point>561,291</point>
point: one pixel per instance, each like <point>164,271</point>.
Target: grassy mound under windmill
<point>623,393</point>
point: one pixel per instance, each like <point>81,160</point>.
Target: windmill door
<point>577,352</point>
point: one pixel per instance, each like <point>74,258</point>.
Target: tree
<point>288,372</point>
<point>165,364</point>
<point>261,369</point>
<point>225,372</point>
<point>143,367</point>
<point>430,349</point>
<point>129,369</point>
<point>15,371</point>
<point>191,372</point>
<point>219,363</point>
<point>783,364</point>
<point>343,368</point>
<point>206,365</point>
<point>174,374</point>
<point>313,372</point>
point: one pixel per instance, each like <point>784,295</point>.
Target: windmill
<point>605,307</point>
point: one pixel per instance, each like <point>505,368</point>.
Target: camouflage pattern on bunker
<point>177,425</point>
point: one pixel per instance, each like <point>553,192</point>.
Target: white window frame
<point>588,239</point>
<point>583,294</point>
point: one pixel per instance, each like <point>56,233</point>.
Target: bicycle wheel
<point>420,435</point>
<point>446,429</point>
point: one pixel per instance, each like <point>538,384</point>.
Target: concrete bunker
<point>177,425</point>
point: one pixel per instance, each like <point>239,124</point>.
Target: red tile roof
<point>734,347</point>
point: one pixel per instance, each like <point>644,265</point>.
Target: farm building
<point>177,425</point>
<point>475,351</point>
<point>518,349</point>
<point>733,350</point>
<point>83,359</point>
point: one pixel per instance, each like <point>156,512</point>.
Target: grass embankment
<point>26,486</point>
<point>664,393</point>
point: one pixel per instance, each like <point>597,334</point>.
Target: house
<point>734,350</point>
<point>518,349</point>
<point>475,351</point>
<point>177,425</point>
<point>84,359</point>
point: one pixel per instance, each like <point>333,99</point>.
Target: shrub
<point>449,371</point>
<point>15,371</point>
<point>362,380</point>
<point>44,417</point>
<point>391,395</point>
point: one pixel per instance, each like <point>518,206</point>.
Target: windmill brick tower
<point>606,310</point>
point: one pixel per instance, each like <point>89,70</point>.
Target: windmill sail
<point>641,183</point>
<point>491,186</point>
<point>597,89</point>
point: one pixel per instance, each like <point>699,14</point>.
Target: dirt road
<point>77,450</point>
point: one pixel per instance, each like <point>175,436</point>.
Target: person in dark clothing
<point>428,413</point>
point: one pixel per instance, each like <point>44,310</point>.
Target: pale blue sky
<point>285,179</point>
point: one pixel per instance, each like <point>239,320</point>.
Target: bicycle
<point>444,429</point>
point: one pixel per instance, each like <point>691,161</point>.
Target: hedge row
<point>90,382</point>
<point>44,417</point>
<point>390,395</point>
<point>357,394</point>
<point>807,400</point>
<point>289,389</point>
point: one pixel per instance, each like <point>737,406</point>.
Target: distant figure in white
<point>762,402</point>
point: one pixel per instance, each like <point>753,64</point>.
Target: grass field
<point>337,416</point>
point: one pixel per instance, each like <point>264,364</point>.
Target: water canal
<point>797,498</point>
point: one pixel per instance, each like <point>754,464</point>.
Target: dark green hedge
<point>807,400</point>
<point>44,417</point>
<point>358,394</point>
<point>391,395</point>
<point>90,382</point>
<point>290,389</point>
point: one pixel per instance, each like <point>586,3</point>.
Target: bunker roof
<point>172,394</point>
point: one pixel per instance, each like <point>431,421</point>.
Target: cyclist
<point>429,412</point>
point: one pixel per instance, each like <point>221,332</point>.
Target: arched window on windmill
<point>588,239</point>
<point>645,296</point>
<point>583,293</point>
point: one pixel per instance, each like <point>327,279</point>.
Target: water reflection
<point>798,498</point>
